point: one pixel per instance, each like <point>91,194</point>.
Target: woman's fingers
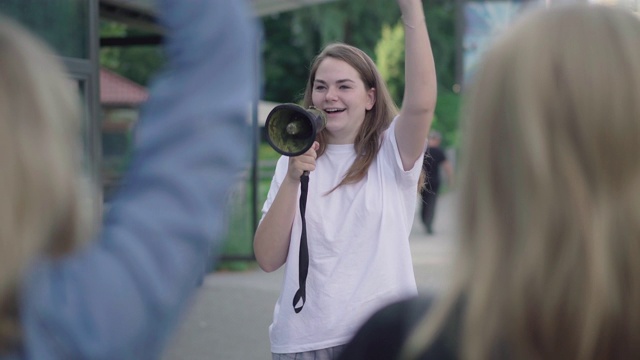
<point>304,162</point>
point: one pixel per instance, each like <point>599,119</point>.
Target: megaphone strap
<point>303,264</point>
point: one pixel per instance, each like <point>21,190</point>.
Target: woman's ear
<point>371,96</point>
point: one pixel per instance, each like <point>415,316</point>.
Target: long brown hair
<point>377,120</point>
<point>550,193</point>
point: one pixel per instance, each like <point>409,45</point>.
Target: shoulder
<point>437,154</point>
<point>435,151</point>
<point>383,335</point>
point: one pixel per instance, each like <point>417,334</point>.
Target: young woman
<point>119,296</point>
<point>550,203</point>
<point>364,170</point>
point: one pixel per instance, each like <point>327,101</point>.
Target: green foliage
<point>446,117</point>
<point>390,59</point>
<point>356,22</point>
<point>292,39</point>
<point>137,63</point>
<point>110,56</point>
<point>285,60</point>
<point>140,63</point>
<point>239,239</point>
<point>441,20</point>
<point>266,152</point>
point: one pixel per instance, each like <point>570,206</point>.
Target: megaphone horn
<point>292,129</point>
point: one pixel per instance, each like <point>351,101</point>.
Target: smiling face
<point>339,91</point>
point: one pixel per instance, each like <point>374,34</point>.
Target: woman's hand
<point>301,163</point>
<point>271,241</point>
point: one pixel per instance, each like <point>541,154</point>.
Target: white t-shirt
<point>358,239</point>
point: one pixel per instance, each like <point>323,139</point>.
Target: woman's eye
<point>319,87</point>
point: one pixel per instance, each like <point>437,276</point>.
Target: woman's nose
<point>331,95</point>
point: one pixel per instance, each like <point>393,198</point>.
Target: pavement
<point>231,312</point>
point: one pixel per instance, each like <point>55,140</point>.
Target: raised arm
<point>420,91</point>
<point>121,297</point>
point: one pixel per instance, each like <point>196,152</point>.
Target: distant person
<point>120,295</point>
<point>364,172</point>
<point>549,203</point>
<point>434,159</point>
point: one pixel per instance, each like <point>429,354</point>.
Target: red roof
<point>118,90</point>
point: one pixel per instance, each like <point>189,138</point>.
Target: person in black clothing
<point>384,335</point>
<point>434,158</point>
<point>548,231</point>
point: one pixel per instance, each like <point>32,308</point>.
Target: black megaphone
<point>291,129</point>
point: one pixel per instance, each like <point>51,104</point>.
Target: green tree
<point>292,39</point>
<point>356,22</point>
<point>390,59</point>
<point>447,117</point>
<point>441,20</point>
<point>285,58</point>
<point>110,56</point>
<point>137,63</point>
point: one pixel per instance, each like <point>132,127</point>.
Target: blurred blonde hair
<point>550,194</point>
<point>39,161</point>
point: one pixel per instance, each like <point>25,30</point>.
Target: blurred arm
<point>120,297</point>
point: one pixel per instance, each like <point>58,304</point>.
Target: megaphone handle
<point>300,297</point>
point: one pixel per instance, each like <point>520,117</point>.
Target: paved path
<point>231,313</point>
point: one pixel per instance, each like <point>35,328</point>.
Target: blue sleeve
<point>120,296</point>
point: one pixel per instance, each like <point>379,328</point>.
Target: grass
<point>239,239</point>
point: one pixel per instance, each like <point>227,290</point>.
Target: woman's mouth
<point>333,110</point>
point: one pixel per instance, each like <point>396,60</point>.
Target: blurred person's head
<point>39,160</point>
<point>434,138</point>
<point>550,191</point>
